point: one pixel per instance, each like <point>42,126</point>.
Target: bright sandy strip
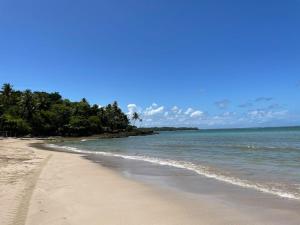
<point>20,166</point>
<point>54,188</point>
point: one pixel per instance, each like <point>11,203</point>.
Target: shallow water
<point>266,160</point>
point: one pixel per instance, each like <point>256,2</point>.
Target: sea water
<point>262,159</point>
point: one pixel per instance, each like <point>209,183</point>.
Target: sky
<point>204,63</point>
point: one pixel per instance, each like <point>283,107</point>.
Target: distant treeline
<point>44,114</point>
<point>170,128</point>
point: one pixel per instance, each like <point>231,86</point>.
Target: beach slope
<point>57,188</point>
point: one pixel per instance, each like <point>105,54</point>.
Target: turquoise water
<point>264,159</point>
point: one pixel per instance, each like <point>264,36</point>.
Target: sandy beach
<point>45,187</point>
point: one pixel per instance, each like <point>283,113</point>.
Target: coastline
<point>106,135</point>
<point>64,188</point>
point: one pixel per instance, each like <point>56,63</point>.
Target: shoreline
<point>105,135</point>
<point>240,183</point>
<point>70,189</point>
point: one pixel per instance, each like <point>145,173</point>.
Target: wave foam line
<point>191,167</point>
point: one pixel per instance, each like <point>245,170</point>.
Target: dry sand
<point>20,166</point>
<point>45,187</point>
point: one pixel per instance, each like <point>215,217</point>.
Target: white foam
<point>204,171</point>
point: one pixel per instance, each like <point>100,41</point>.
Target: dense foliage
<point>44,114</point>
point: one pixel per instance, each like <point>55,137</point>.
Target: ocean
<point>262,159</point>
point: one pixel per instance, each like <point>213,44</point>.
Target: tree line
<point>48,114</point>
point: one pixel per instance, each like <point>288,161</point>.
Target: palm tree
<point>6,92</point>
<point>7,89</point>
<point>135,116</point>
<point>27,104</point>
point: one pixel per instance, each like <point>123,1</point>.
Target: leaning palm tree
<point>135,116</point>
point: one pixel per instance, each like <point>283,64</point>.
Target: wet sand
<point>262,207</point>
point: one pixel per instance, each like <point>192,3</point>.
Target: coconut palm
<point>135,116</point>
<point>6,92</point>
<point>7,89</point>
<point>27,104</point>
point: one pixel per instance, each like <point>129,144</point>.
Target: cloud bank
<point>248,114</point>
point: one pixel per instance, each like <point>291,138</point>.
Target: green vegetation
<point>135,117</point>
<point>48,114</point>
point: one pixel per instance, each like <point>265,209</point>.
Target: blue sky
<point>182,63</point>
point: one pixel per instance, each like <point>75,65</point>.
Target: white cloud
<point>260,114</point>
<point>175,108</point>
<point>152,110</point>
<point>265,116</point>
<point>196,114</point>
<point>131,108</point>
<point>256,113</point>
<point>159,115</point>
<point>228,114</point>
<point>188,111</point>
